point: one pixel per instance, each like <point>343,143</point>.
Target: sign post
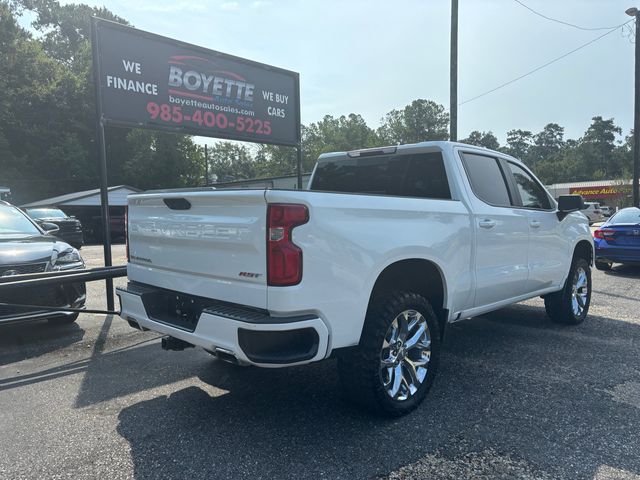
<point>144,80</point>
<point>102,158</point>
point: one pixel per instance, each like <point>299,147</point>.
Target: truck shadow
<point>510,381</point>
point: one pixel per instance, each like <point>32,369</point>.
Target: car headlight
<point>67,259</point>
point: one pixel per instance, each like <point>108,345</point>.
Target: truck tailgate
<point>206,243</point>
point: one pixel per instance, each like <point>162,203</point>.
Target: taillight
<point>604,234</point>
<point>284,258</point>
<point>126,230</point>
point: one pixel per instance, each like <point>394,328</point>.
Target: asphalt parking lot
<point>516,397</point>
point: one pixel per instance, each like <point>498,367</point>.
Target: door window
<point>531,192</point>
<point>486,179</point>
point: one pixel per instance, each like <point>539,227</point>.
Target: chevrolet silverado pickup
<point>385,248</point>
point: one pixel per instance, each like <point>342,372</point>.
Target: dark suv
<point>70,228</point>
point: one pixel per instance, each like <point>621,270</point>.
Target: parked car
<point>26,247</point>
<point>70,228</point>
<point>593,212</point>
<point>606,210</point>
<point>388,247</point>
<point>618,239</point>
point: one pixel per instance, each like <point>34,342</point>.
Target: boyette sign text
<point>151,81</point>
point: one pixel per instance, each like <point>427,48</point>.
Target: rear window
<point>418,175</point>
<point>627,215</point>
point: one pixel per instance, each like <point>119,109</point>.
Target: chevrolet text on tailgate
<point>369,265</point>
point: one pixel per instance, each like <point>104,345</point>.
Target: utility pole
<point>453,73</point>
<point>634,12</point>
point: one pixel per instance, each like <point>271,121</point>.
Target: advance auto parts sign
<point>155,82</point>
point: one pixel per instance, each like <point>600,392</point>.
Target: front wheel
<point>600,265</point>
<point>571,304</point>
<point>393,367</point>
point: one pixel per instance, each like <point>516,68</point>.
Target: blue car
<point>618,239</point>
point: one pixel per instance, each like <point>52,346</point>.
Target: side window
<point>531,193</point>
<point>426,177</point>
<point>486,179</point>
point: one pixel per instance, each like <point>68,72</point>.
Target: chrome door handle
<point>534,224</point>
<point>487,223</point>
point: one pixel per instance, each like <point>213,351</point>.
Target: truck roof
<point>437,144</point>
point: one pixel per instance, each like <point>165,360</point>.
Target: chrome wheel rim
<point>405,355</point>
<point>579,292</point>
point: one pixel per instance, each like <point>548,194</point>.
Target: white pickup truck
<point>368,265</point>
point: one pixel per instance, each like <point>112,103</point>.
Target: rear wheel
<point>392,369</point>
<point>571,305</point>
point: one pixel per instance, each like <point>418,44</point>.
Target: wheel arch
<point>584,249</point>
<point>417,275</point>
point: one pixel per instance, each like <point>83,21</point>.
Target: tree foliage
<point>420,121</point>
<point>482,139</point>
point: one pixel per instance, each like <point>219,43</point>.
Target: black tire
<point>603,265</point>
<point>560,306</point>
<point>361,371</point>
<point>64,319</point>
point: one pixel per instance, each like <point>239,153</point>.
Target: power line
<point>562,22</point>
<point>545,65</point>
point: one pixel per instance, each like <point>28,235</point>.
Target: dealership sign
<point>150,81</point>
<point>601,191</point>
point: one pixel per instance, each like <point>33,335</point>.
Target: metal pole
<point>453,75</point>
<point>299,166</point>
<point>102,155</point>
<point>206,165</point>
<point>298,134</point>
<point>636,119</point>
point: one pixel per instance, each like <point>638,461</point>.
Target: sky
<point>370,57</point>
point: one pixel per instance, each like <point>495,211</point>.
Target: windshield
<point>628,215</point>
<point>46,213</point>
<point>12,221</point>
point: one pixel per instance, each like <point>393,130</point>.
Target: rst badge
<point>249,275</point>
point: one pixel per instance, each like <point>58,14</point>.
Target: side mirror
<point>568,204</point>
<point>49,228</point>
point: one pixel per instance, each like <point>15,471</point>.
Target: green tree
<point>519,144</point>
<point>420,121</point>
<point>230,161</point>
<point>546,143</point>
<point>597,147</point>
<point>337,134</point>
<point>482,139</point>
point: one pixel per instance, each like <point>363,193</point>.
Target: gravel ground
<point>516,397</point>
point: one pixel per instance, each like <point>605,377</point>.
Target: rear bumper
<point>252,337</point>
<point>618,255</point>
